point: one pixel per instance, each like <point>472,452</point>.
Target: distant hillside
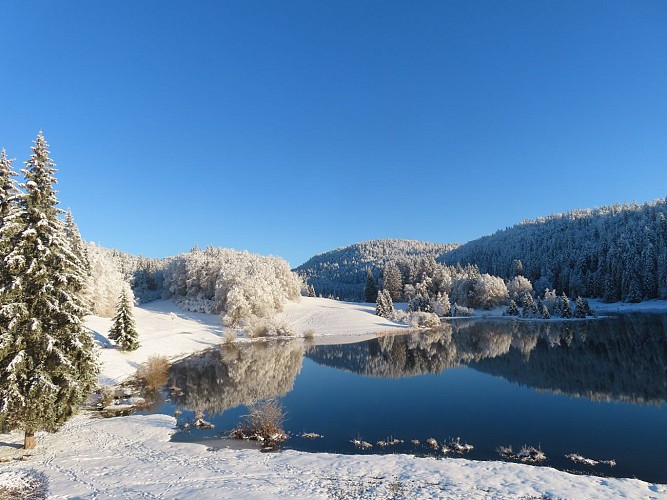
<point>618,252</point>
<point>342,272</point>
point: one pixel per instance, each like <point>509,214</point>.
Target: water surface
<point>596,387</point>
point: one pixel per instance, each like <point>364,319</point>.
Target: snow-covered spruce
<point>47,357</point>
<point>123,330</point>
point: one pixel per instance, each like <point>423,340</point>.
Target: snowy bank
<point>132,457</point>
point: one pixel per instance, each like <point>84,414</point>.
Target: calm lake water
<point>596,387</point>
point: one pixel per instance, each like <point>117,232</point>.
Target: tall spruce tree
<point>371,289</point>
<point>8,207</point>
<point>47,357</point>
<point>123,330</point>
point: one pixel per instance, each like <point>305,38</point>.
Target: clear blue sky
<point>295,127</point>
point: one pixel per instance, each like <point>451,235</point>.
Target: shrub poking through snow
<point>263,423</point>
<point>25,484</point>
<point>455,445</point>
<point>579,459</point>
<point>154,372</point>
<point>526,454</point>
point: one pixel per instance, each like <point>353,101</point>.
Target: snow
<point>130,457</point>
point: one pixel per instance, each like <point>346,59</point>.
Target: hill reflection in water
<point>621,358</point>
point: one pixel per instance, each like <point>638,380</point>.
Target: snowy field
<point>132,457</point>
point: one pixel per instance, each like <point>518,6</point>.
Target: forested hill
<point>342,272</point>
<point>618,252</point>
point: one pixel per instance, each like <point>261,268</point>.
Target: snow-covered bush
<point>517,287</point>
<point>268,327</point>
<point>235,284</point>
<point>489,292</point>
<point>25,484</point>
<point>420,319</point>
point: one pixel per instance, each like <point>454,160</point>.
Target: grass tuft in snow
<point>154,373</point>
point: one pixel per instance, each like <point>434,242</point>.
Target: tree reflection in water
<point>229,376</point>
<point>621,358</point>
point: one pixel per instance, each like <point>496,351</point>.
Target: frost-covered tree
<point>8,207</point>
<point>47,356</point>
<point>8,188</point>
<point>565,310</point>
<point>76,242</point>
<point>517,287</point>
<point>384,306</point>
<point>371,289</point>
<point>123,331</point>
<point>441,305</point>
<point>105,282</point>
<point>393,281</point>
<point>512,309</point>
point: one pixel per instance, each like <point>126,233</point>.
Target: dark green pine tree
<point>512,309</point>
<point>371,289</point>
<point>565,310</point>
<point>47,357</point>
<point>123,331</point>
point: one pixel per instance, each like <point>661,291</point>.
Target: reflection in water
<point>227,377</point>
<point>621,358</point>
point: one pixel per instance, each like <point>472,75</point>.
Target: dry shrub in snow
<point>264,422</point>
<point>24,484</point>
<point>309,334</point>
<point>154,372</point>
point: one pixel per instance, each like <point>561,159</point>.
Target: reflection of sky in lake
<point>474,381</point>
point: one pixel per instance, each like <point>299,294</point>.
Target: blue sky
<point>295,127</point>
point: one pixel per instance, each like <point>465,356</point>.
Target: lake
<point>597,388</point>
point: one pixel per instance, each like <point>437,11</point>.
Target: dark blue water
<point>597,388</point>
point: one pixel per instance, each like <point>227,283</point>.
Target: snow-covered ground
<point>132,457</point>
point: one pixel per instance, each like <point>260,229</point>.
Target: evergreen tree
<point>393,281</point>
<point>530,308</point>
<point>47,356</point>
<point>579,308</point>
<point>123,331</point>
<point>511,310</point>
<point>543,310</point>
<point>8,209</point>
<point>388,303</point>
<point>381,305</point>
<point>76,242</point>
<point>311,291</point>
<point>565,310</point>
<point>8,190</point>
<point>371,289</point>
